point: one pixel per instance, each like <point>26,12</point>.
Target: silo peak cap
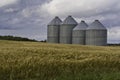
<point>97,20</point>
<point>97,25</point>
<point>83,21</point>
<point>70,20</point>
<point>81,26</point>
<point>69,16</point>
<point>57,17</point>
<point>56,21</point>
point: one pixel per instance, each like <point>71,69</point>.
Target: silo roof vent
<point>97,25</point>
<point>81,26</point>
<point>70,20</point>
<point>55,21</point>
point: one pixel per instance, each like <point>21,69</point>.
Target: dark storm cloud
<point>23,18</point>
<point>20,13</point>
<point>29,18</point>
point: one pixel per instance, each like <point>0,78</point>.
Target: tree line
<point>14,38</point>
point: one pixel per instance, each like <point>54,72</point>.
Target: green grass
<point>43,61</point>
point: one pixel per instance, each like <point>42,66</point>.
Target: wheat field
<point>43,61</point>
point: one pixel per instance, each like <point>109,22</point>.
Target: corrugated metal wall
<point>66,30</point>
<point>53,34</point>
<point>79,37</point>
<point>96,37</point>
<point>53,30</point>
<point>79,33</point>
<point>66,34</point>
<point>69,32</point>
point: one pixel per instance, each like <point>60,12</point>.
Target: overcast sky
<point>29,18</point>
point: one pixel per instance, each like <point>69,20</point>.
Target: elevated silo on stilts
<point>96,34</point>
<point>79,33</point>
<point>53,30</point>
<point>66,30</point>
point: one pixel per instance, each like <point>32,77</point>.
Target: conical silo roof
<point>97,25</point>
<point>55,21</point>
<point>69,20</point>
<point>81,26</point>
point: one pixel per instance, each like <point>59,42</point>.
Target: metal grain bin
<point>79,33</point>
<point>53,30</point>
<point>96,34</point>
<point>66,30</point>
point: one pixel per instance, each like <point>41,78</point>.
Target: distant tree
<point>114,44</point>
<point>43,41</point>
<point>14,38</point>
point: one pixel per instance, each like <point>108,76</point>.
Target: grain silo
<point>96,34</point>
<point>79,33</point>
<point>66,30</point>
<point>53,30</point>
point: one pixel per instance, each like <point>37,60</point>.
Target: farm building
<point>70,32</point>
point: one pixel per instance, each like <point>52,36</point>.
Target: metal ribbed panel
<point>69,20</point>
<point>96,25</point>
<point>78,37</point>
<point>55,22</point>
<point>66,34</point>
<point>66,30</point>
<point>53,30</point>
<point>96,34</point>
<point>79,33</point>
<point>81,26</point>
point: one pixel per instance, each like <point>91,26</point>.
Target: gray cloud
<point>29,18</point>
<point>7,2</point>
